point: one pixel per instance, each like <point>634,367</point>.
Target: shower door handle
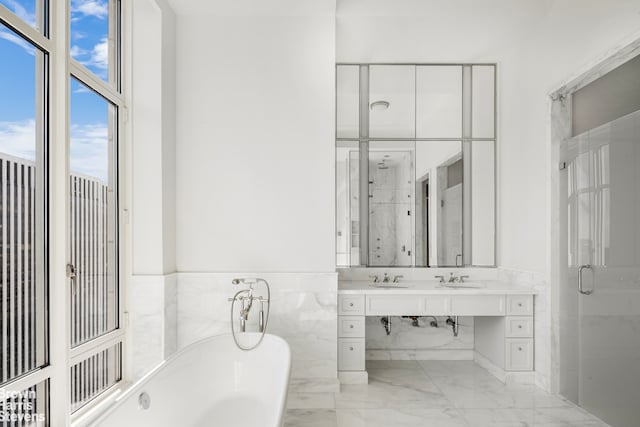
<point>582,267</point>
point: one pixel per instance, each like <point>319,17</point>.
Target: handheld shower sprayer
<point>245,297</point>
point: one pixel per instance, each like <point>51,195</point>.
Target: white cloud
<point>90,150</point>
<point>98,9</point>
<point>21,12</point>
<point>18,139</point>
<point>89,146</point>
<point>100,54</point>
<point>10,37</point>
<point>76,51</point>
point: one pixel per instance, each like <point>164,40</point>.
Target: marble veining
<point>153,321</point>
<point>435,393</point>
<point>303,312</point>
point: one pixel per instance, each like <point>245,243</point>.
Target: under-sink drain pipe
<point>453,322</point>
<point>386,323</point>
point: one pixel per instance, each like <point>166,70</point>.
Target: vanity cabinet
<point>507,342</point>
<point>504,324</point>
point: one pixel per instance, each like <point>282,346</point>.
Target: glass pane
<point>92,184</point>
<point>438,189</point>
<point>482,203</point>
<point>392,101</point>
<point>22,286</point>
<point>347,204</point>
<point>439,101</point>
<point>30,11</point>
<point>390,203</point>
<point>94,375</point>
<point>348,101</point>
<point>28,407</point>
<point>93,36</point>
<point>483,101</point>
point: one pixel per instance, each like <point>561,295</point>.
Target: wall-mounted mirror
<point>430,199</point>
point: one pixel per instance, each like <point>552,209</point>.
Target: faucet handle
<point>441,278</point>
<point>396,279</point>
<point>375,278</point>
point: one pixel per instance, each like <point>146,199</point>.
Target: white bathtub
<point>211,383</point>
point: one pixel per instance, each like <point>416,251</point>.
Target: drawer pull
<point>519,348</point>
<point>519,304</point>
<point>350,304</point>
<point>351,348</point>
<point>519,326</point>
<point>350,326</point>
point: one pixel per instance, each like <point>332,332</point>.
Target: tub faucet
<point>246,298</point>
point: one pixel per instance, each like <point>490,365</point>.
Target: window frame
<point>54,42</point>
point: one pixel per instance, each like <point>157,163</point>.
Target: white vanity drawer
<point>394,305</point>
<point>520,305</point>
<point>519,327</point>
<point>437,305</point>
<point>519,354</point>
<point>351,354</point>
<point>351,326</point>
<point>350,304</point>
<point>477,305</point>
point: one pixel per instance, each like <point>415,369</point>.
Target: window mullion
<point>81,73</point>
<point>18,25</point>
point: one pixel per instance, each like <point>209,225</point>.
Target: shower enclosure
<point>599,201</point>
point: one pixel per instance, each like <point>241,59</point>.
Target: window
<point>32,92</point>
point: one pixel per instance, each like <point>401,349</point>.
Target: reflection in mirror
<point>392,101</point>
<point>390,195</point>
<point>439,182</point>
<point>418,143</point>
<point>347,204</point>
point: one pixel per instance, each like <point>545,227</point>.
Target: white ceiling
<point>253,7</point>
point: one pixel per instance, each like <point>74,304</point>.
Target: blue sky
<point>89,111</point>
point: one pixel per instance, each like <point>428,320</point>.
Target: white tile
<point>400,417</point>
<point>310,418</point>
<point>311,401</point>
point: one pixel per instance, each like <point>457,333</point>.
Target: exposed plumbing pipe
<point>386,323</point>
<point>453,322</point>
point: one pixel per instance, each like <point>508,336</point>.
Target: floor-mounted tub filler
<point>210,383</point>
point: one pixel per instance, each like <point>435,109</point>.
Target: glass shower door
<point>602,299</point>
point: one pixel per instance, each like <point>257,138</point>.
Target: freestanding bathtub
<point>210,383</point>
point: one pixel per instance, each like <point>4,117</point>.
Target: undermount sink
<point>375,285</point>
<point>463,285</point>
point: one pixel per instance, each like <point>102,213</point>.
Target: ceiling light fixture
<point>379,105</point>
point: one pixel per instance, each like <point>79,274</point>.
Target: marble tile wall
<point>152,320</point>
<point>304,312</point>
<point>424,342</point>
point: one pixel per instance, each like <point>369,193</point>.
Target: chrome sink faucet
<point>455,279</point>
<point>386,278</point>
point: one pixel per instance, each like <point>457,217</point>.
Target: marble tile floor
<point>434,394</point>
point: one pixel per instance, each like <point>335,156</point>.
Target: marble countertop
<point>427,287</point>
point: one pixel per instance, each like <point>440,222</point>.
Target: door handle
<point>458,256</point>
<point>582,267</point>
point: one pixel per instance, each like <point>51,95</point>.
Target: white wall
<point>255,169</point>
<point>151,288</point>
<point>536,43</point>
<point>152,117</point>
<point>255,159</point>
